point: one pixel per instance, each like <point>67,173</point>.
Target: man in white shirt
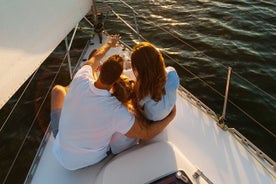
<point>90,115</point>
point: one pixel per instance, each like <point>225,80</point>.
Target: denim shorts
<point>55,115</point>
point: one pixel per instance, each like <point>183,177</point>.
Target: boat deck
<point>192,141</point>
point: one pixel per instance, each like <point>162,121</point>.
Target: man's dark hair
<point>111,69</point>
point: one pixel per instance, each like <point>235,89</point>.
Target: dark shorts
<point>55,115</point>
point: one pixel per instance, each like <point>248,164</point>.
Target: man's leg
<point>57,98</point>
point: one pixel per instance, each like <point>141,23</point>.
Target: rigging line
<point>151,22</point>
<point>32,124</point>
<point>168,55</point>
<point>249,116</point>
<point>202,79</point>
<point>130,7</point>
<point>272,97</point>
<point>182,41</point>
<point>148,41</point>
<point>15,105</point>
<point>193,74</point>
<point>87,20</point>
<point>72,37</point>
<point>127,24</point>
<point>220,94</point>
<point>210,86</point>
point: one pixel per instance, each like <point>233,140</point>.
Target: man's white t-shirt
<point>89,118</point>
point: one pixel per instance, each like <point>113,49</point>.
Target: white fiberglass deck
<point>191,141</point>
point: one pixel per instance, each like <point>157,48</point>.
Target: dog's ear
<point>123,89</point>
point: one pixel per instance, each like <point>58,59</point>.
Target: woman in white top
<point>155,85</point>
<point>155,88</point>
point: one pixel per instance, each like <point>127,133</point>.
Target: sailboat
<point>197,147</point>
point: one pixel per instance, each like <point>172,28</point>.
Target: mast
<point>94,12</point>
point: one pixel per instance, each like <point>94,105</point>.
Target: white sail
<point>29,31</point>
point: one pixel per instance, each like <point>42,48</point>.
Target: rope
<point>127,24</point>
<point>20,97</point>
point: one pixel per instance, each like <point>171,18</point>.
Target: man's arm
<point>146,131</point>
<point>95,59</point>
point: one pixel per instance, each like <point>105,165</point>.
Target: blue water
<point>204,38</point>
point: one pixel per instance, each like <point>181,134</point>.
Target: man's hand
<point>95,58</point>
<point>113,40</point>
<point>141,130</point>
<point>173,112</point>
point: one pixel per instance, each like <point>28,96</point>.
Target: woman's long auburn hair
<point>149,64</point>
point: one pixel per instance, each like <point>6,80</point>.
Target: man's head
<point>111,69</point>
